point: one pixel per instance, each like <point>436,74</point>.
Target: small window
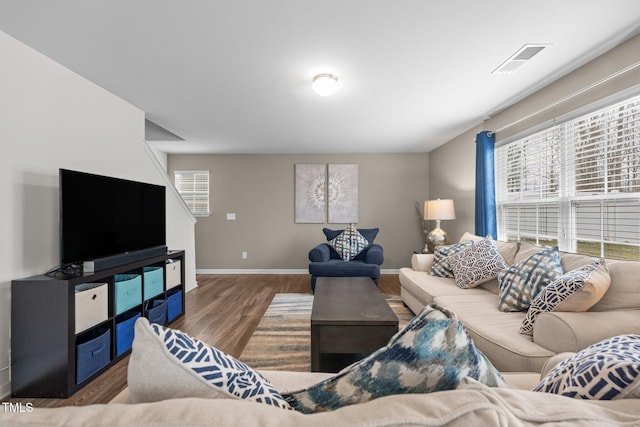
<point>193,186</point>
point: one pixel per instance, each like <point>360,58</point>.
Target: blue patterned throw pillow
<point>520,283</point>
<point>432,353</point>
<point>606,370</point>
<point>478,264</point>
<point>167,363</point>
<point>440,266</point>
<point>564,293</point>
<point>349,243</point>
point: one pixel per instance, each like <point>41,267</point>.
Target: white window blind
<point>193,186</point>
<point>575,185</point>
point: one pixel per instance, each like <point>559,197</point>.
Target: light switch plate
<point>231,217</point>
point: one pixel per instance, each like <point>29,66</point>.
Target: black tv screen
<point>102,216</point>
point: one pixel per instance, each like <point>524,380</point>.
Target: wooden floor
<point>222,311</point>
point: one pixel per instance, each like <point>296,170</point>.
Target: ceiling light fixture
<point>325,84</point>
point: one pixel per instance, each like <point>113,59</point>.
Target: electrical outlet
<point>244,255</point>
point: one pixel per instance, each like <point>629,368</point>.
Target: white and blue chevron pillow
<point>167,363</point>
<point>606,370</point>
<point>566,293</point>
<point>433,352</point>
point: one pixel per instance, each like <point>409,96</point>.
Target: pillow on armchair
<point>368,233</point>
<point>350,243</point>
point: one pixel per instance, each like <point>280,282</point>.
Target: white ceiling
<point>235,76</point>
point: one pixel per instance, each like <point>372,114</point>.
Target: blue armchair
<point>327,262</point>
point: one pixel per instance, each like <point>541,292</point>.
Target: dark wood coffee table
<point>350,319</point>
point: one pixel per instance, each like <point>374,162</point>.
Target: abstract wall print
<point>310,193</point>
<point>342,193</point>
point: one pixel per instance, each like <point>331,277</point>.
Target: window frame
<point>197,196</point>
<point>603,134</point>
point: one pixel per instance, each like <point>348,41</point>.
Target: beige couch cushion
<point>573,261</point>
<point>425,287</point>
<point>568,331</point>
<point>525,250</point>
<point>496,333</point>
<point>473,404</point>
<point>624,292</point>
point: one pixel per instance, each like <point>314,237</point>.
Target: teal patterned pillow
<point>606,370</point>
<point>349,243</point>
<point>520,283</point>
<point>432,353</point>
<point>440,266</point>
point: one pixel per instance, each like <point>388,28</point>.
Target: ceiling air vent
<point>519,58</point>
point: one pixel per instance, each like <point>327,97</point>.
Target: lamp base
<point>436,237</point>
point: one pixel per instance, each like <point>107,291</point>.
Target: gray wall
<point>452,165</point>
<point>452,175</point>
<point>259,189</point>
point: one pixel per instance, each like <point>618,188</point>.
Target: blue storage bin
<point>156,311</point>
<point>174,304</point>
<point>93,353</point>
<point>128,292</point>
<point>153,281</point>
<point>125,326</point>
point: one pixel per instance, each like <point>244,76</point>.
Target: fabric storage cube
<point>92,305</point>
<point>153,281</point>
<point>128,292</point>
<point>124,331</point>
<point>93,352</point>
<point>156,311</point>
<point>174,304</point>
<point>173,274</point>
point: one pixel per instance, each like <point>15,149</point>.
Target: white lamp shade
<point>439,209</point>
<point>325,84</point>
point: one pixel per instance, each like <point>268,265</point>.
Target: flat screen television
<point>101,216</point>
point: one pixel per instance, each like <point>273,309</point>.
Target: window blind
<point>575,185</point>
<point>193,186</point>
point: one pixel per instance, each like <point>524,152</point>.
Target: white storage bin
<point>92,305</point>
<point>173,274</point>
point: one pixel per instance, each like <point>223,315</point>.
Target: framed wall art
<point>310,193</point>
<point>342,193</point>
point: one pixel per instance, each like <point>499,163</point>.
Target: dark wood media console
<point>52,336</point>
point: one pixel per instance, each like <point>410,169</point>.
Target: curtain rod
<point>572,95</point>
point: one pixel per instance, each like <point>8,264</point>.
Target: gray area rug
<point>282,340</point>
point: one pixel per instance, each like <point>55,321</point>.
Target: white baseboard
<point>269,271</point>
<point>250,271</point>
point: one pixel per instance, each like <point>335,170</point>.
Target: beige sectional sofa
<point>471,404</point>
<point>496,333</point>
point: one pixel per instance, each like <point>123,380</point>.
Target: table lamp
<point>438,210</point>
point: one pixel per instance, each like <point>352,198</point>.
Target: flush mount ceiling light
<point>325,84</point>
